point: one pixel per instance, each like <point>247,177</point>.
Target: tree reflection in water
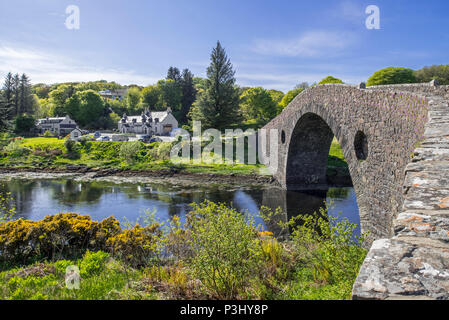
<point>36,199</point>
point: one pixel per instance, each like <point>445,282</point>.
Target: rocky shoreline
<point>337,177</point>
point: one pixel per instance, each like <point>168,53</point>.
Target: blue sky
<point>274,44</point>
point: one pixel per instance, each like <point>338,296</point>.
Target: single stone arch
<point>389,124</point>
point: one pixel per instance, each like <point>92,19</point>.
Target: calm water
<point>34,199</point>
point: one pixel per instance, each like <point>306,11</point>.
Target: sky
<point>275,44</point>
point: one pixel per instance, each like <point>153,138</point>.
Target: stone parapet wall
<point>414,263</point>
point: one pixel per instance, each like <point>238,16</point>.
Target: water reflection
<point>36,199</point>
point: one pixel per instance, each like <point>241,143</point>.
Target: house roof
<point>161,115</point>
<point>51,120</point>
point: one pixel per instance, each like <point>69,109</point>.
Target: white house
<point>76,134</point>
<point>151,123</point>
<point>60,126</point>
<point>113,94</point>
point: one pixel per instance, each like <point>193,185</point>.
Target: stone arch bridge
<point>396,141</point>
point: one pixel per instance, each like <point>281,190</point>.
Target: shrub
<point>391,75</point>
<point>61,235</point>
<point>437,72</point>
<point>330,79</point>
<point>7,209</point>
<point>48,134</point>
<point>92,263</point>
<point>136,246</point>
<point>129,150</point>
<point>227,251</point>
<point>24,124</point>
<point>15,149</point>
<point>329,249</point>
<point>70,145</point>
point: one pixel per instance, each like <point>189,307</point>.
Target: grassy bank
<point>218,254</point>
<point>54,153</point>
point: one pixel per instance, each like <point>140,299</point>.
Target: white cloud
<point>309,44</point>
<point>49,68</point>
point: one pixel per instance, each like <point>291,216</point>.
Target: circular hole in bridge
<point>361,145</point>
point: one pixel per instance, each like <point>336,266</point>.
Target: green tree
<point>8,87</point>
<point>276,95</point>
<point>73,106</point>
<point>41,90</point>
<point>330,79</point>
<point>174,74</point>
<point>5,114</point>
<point>439,73</point>
<point>289,96</point>
<point>151,97</point>
<point>257,103</point>
<point>392,75</point>
<point>58,97</point>
<point>171,95</point>
<point>15,99</point>
<point>26,101</point>
<point>133,98</point>
<point>91,107</point>
<point>188,95</point>
<point>218,105</point>
<point>24,124</point>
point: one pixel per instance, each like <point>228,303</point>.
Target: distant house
<point>76,134</point>
<point>151,123</point>
<point>113,94</point>
<point>60,126</point>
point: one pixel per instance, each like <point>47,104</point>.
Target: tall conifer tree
<point>218,105</point>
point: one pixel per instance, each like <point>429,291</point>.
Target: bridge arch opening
<point>308,166</point>
<point>308,153</point>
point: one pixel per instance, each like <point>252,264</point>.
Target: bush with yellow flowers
<point>138,245</point>
<point>54,237</point>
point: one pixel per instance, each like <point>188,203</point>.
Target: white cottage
<point>76,134</point>
<point>60,126</point>
<point>151,123</point>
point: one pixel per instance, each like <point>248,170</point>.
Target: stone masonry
<point>414,263</point>
<point>396,142</point>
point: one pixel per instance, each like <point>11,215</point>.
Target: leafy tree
<point>41,90</point>
<point>24,124</point>
<point>133,100</point>
<point>258,104</point>
<point>151,97</point>
<point>58,97</point>
<point>289,96</point>
<point>91,107</point>
<point>302,85</point>
<point>171,95</point>
<point>218,105</point>
<point>392,75</point>
<point>188,94</point>
<point>73,106</point>
<point>330,79</point>
<point>276,95</point>
<point>439,73</point>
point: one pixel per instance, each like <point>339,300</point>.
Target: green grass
<point>97,154</point>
